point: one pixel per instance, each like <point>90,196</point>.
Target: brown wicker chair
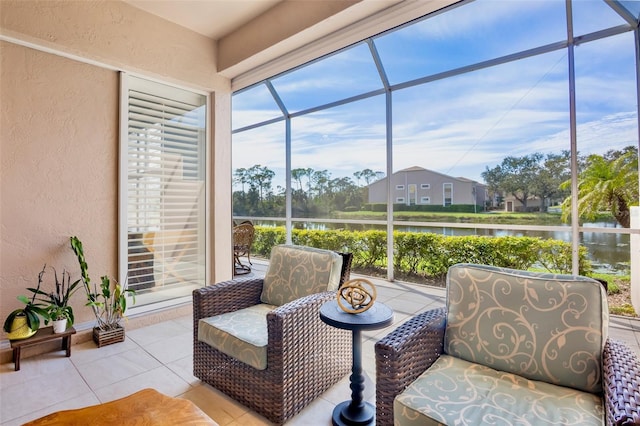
<point>304,355</point>
<point>404,354</point>
<point>242,240</point>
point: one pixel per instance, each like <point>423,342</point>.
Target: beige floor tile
<point>252,419</point>
<point>106,371</point>
<point>172,348</point>
<point>215,404</point>
<point>183,367</point>
<point>318,413</point>
<point>35,367</point>
<point>185,322</point>
<point>156,333</point>
<point>81,401</point>
<point>89,352</point>
<point>161,379</point>
<point>46,390</point>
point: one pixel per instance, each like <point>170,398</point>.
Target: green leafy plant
<point>57,301</point>
<point>32,309</point>
<point>109,300</point>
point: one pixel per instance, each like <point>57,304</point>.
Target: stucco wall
<point>117,34</point>
<point>59,131</point>
<point>58,167</point>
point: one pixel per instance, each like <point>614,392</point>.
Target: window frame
<point>204,175</point>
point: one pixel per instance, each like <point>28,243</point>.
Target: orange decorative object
<point>356,295</point>
<point>144,408</point>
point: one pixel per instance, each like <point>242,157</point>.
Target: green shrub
<point>427,254</point>
<point>625,309</point>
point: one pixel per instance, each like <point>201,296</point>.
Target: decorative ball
<point>356,296</point>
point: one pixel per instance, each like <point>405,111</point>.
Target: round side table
<point>356,412</point>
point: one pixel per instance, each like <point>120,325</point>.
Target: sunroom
<point>392,117</point>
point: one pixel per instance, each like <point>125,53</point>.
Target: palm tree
<point>606,185</point>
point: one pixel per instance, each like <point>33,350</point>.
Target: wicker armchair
<point>405,354</point>
<point>304,356</point>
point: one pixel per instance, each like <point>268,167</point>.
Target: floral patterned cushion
<point>457,392</point>
<point>297,271</point>
<point>543,327</point>
<point>240,334</point>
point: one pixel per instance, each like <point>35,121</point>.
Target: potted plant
<point>58,308</point>
<point>24,322</point>
<point>108,302</point>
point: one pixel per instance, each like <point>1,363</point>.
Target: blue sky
<point>458,125</point>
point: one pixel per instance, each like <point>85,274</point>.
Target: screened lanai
<point>487,115</point>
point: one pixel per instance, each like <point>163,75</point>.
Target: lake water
<point>607,252</point>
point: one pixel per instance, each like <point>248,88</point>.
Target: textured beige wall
<point>59,131</point>
<point>58,168</point>
<point>117,34</point>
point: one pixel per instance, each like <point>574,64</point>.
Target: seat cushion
<point>457,392</point>
<point>297,271</point>
<point>543,327</point>
<point>240,334</point>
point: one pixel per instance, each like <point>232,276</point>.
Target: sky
<point>459,125</point>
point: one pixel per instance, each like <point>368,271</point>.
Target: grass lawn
<point>484,217</point>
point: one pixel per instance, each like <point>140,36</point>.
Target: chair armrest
<point>226,296</point>
<point>404,354</point>
<point>299,339</point>
<point>621,383</point>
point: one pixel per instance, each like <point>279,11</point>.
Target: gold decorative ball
<point>356,296</point>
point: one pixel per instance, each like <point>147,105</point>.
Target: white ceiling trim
<point>379,22</point>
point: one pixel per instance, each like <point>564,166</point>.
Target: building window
<point>447,194</point>
<point>400,200</point>
<point>425,200</point>
<point>399,187</point>
<point>425,186</point>
<point>162,187</point>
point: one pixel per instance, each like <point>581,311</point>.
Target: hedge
<point>427,254</point>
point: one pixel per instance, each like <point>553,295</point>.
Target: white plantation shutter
<point>164,152</point>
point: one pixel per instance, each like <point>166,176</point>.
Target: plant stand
<point>108,337</point>
<point>43,335</point>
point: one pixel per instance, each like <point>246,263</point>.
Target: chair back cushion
<point>546,327</point>
<point>297,271</point>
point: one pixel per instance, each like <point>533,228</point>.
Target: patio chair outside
<point>528,348</point>
<point>242,239</point>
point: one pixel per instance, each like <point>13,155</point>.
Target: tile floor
<point>160,356</point>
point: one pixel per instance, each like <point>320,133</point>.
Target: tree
<point>320,179</point>
<point>516,176</point>
<point>260,179</point>
<point>297,175</point>
<point>548,184</point>
<point>608,183</point>
<point>241,177</point>
<point>368,175</point>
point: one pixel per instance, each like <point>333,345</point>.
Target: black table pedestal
<point>356,412</point>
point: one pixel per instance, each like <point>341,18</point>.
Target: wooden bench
<point>147,407</point>
<point>44,334</point>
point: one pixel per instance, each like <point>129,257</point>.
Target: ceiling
<point>211,18</point>
<point>259,38</point>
